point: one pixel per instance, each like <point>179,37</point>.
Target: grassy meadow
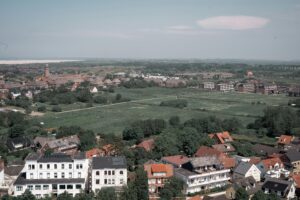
<point>144,104</point>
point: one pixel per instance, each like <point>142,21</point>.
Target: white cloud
<point>233,22</point>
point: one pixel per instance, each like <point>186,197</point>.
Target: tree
<point>141,184</point>
<point>241,194</point>
<point>16,131</point>
<point>65,196</point>
<point>108,193</point>
<point>41,109</point>
<point>56,109</point>
<point>174,121</point>
<point>260,195</point>
<point>129,192</point>
<point>172,189</point>
<point>118,97</point>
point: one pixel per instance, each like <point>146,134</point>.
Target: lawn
<point>111,119</point>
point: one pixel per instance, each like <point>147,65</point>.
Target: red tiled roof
<point>159,168</point>
<point>93,152</point>
<point>254,160</point>
<point>197,197</point>
<point>228,163</point>
<point>208,151</point>
<point>285,139</point>
<point>224,136</point>
<point>177,159</point>
<point>270,162</point>
<point>148,145</point>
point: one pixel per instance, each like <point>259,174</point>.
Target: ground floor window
<point>62,187</point>
<point>19,188</point>
<point>45,187</point>
<point>78,186</point>
<point>69,187</point>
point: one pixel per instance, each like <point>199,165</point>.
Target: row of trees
<point>177,103</point>
<point>138,83</point>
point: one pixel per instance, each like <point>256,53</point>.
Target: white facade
<point>252,171</point>
<point>108,172</point>
<point>199,182</point>
<point>209,85</point>
<point>47,176</point>
<point>1,177</point>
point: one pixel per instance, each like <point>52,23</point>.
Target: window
<point>29,167</point>
<point>105,172</point>
<point>48,175</point>
<point>41,175</point>
<point>70,174</point>
<point>121,181</point>
<point>19,188</point>
<point>109,181</point>
<point>31,175</point>
<point>55,175</point>
<point>33,166</point>
<point>48,166</point>
<point>79,174</point>
<point>38,196</point>
<point>113,172</point>
<point>77,166</point>
<point>69,187</point>
<point>41,166</point>
<point>55,166</point>
<point>62,187</point>
<point>70,166</point>
<point>105,181</point>
<point>113,181</point>
<point>62,175</point>
<point>30,187</point>
<point>97,173</point>
<point>81,166</point>
<point>121,172</point>
<point>62,166</point>
<point>109,172</point>
<point>45,187</point>
<point>97,181</point>
<point>78,186</point>
<point>38,187</point>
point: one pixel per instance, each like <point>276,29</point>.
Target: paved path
<point>114,104</point>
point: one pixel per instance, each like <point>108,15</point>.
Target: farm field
<point>144,104</point>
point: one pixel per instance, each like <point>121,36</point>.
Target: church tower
<point>46,72</point>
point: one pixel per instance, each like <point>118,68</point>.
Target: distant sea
<point>16,62</point>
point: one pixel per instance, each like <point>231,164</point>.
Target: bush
<point>178,103</point>
<point>56,109</point>
<point>41,109</point>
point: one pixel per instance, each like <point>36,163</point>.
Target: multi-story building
<point>225,87</point>
<point>246,87</point>
<point>209,85</point>
<point>202,173</point>
<point>158,174</point>
<point>108,172</point>
<point>51,175</point>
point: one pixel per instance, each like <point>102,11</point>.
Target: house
<point>147,145</point>
<point>222,137</point>
<point>264,150</point>
<point>68,144</point>
<point>202,173</point>
<point>108,172</point>
<point>95,152</point>
<point>283,189</point>
<point>176,161</point>
<point>11,173</point>
<point>246,87</point>
<point>249,184</point>
<point>296,179</point>
<point>94,90</point>
<point>294,160</point>
<point>158,174</point>
<point>18,143</point>
<point>209,85</point>
<point>246,169</point>
<point>225,87</point>
<point>294,91</point>
<point>224,148</point>
<point>267,88</point>
<point>226,161</point>
<point>284,142</point>
<point>52,175</point>
<point>272,168</point>
<point>116,81</point>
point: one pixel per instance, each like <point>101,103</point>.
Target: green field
<point>145,104</point>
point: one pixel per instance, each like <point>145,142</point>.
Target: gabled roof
<point>176,160</point>
<point>148,145</point>
<point>277,185</point>
<point>264,149</point>
<point>208,151</point>
<point>285,139</point>
<point>243,168</point>
<point>293,155</point>
<point>223,137</point>
<point>270,162</point>
<point>205,161</point>
<point>254,160</point>
<point>166,170</point>
<point>109,162</point>
<point>224,147</point>
<point>93,153</point>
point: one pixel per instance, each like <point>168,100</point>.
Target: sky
<point>181,29</point>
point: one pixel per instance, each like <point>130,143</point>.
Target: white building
<point>225,87</point>
<point>209,85</point>
<point>108,172</point>
<point>52,175</point>
<point>246,169</point>
<point>202,173</point>
<point>1,172</point>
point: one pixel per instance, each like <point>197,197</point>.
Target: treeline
<point>138,83</point>
<point>277,120</point>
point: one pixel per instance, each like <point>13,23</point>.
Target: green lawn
<point>145,104</point>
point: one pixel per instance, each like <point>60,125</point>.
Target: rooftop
<point>109,162</point>
<point>176,160</point>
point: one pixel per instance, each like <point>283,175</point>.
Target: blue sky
<point>239,29</point>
